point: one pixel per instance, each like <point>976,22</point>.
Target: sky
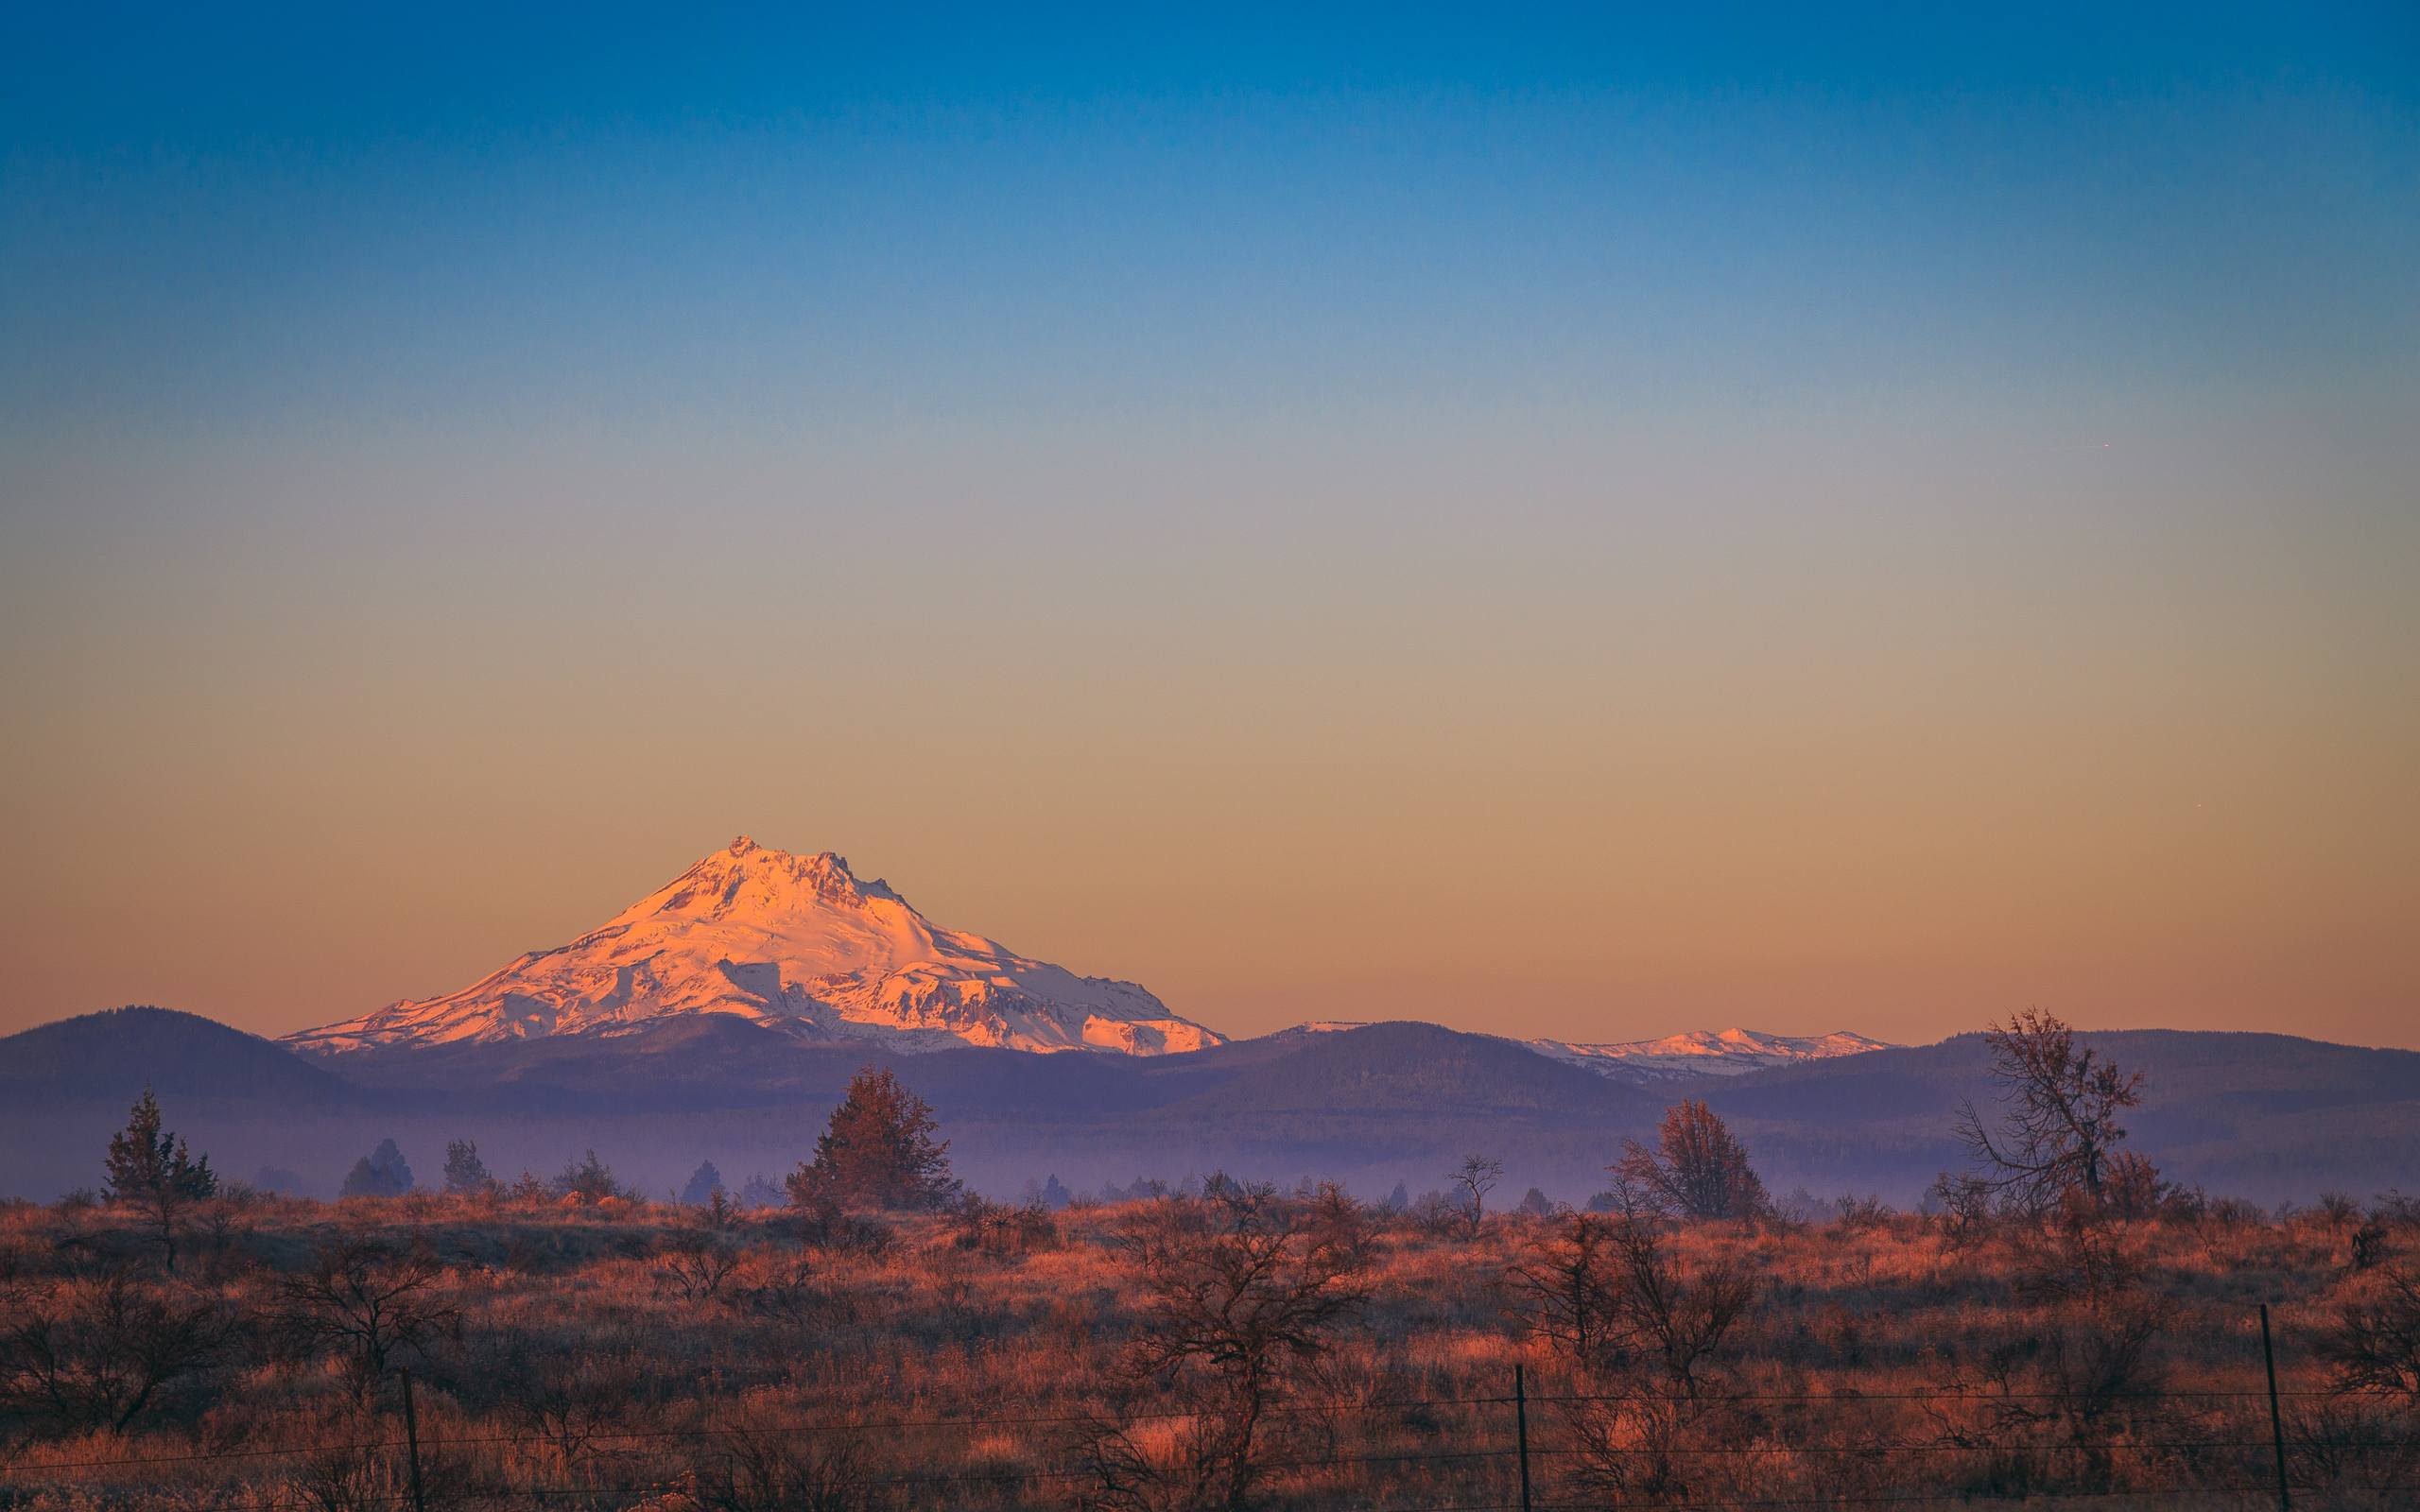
<point>1590,523</point>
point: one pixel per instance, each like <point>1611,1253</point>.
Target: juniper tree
<point>704,1183</point>
<point>149,1170</point>
<point>465,1172</point>
<point>588,1178</point>
<point>878,1151</point>
<point>382,1173</point>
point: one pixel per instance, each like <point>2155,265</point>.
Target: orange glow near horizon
<point>1782,742</point>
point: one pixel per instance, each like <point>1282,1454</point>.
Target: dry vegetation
<point>2064,1328</point>
<point>1242,1349</point>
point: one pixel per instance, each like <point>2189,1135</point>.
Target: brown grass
<point>574,1358</point>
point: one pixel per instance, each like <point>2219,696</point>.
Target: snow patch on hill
<point>1674,1057</point>
<point>1704,1053</point>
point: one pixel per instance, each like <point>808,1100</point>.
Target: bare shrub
<point>1960,1208</point>
<point>784,1288</point>
<point>753,1459</point>
<point>1674,1317</point>
<point>2373,1340</point>
<point>2349,1446</point>
<point>1857,1215</point>
<point>1562,1289</point>
<point>100,1353</point>
<point>1642,1444</point>
<point>1241,1299</point>
<point>372,1301</point>
<point>999,1230</point>
<point>561,1391</point>
<point>695,1265</point>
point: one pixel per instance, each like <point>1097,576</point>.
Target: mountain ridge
<point>1676,1057</point>
<point>2266,1116</point>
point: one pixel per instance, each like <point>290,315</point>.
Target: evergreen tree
<point>465,1172</point>
<point>389,1158</point>
<point>704,1183</point>
<point>382,1173</point>
<point>368,1180</point>
<point>587,1178</point>
<point>149,1169</point>
<point>878,1152</point>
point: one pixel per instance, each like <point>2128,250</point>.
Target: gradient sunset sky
<point>1591,526</point>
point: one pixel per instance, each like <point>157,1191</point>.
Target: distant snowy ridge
<point>795,942</point>
<point>1674,1057</point>
<point>1705,1052</point>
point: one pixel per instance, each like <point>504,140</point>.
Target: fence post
<point>2276,1424</point>
<point>1521,1427</point>
<point>411,1444</point>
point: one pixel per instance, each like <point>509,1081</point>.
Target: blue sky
<point>419,218</point>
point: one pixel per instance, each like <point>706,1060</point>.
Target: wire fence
<point>1517,1450</point>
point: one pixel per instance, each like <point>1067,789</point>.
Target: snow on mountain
<point>794,942</point>
<point>1704,1053</point>
<point>1698,1053</point>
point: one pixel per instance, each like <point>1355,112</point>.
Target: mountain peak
<point>796,942</point>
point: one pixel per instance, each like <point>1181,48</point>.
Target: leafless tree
<point>1674,1317</point>
<point>1562,1288</point>
<point>1962,1209</point>
<point>2059,1126</point>
<point>100,1352</point>
<point>1245,1298</point>
<point>370,1300</point>
<point>1660,1397</point>
<point>1474,1178</point>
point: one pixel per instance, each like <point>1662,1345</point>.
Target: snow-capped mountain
<point>1674,1057</point>
<point>1704,1053</point>
<point>795,942</point>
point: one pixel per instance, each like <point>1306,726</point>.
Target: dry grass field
<point>1248,1348</point>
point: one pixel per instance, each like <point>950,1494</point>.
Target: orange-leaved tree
<point>878,1152</point>
<point>1701,1170</point>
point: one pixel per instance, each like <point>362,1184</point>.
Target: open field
<point>618,1354</point>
